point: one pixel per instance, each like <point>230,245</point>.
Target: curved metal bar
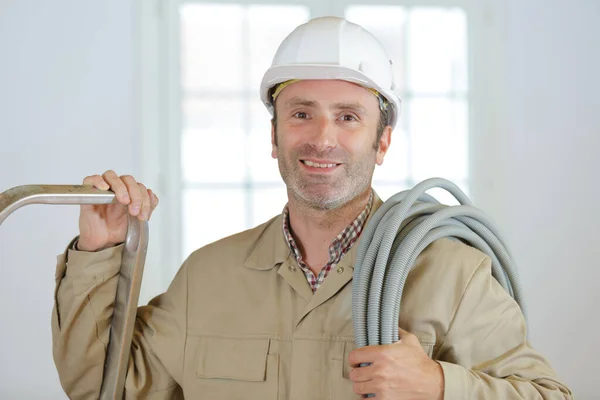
<point>124,313</point>
<point>20,196</point>
<point>130,276</point>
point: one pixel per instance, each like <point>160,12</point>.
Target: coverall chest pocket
<point>237,369</point>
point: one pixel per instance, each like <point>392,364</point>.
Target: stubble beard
<point>321,192</point>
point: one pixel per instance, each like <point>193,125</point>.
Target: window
<point>218,149</point>
<point>427,46</point>
<point>225,138</point>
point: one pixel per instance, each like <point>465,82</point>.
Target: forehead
<point>326,92</point>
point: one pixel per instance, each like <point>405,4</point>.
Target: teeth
<point>318,165</point>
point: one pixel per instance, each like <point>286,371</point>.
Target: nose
<point>324,137</point>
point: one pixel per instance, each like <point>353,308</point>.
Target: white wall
<point>554,131</point>
<point>67,110</point>
<point>543,186</point>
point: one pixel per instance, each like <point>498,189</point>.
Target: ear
<point>384,144</point>
<point>273,141</point>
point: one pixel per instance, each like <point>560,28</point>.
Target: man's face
<point>326,143</point>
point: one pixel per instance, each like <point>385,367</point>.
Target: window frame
<point>157,97</point>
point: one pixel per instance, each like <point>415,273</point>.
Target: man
<point>266,313</point>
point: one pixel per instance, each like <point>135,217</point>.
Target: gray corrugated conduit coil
<point>397,233</point>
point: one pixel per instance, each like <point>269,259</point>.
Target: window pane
<point>268,26</point>
<point>209,215</point>
<point>213,141</point>
<point>388,24</point>
<point>395,162</point>
<point>437,54</point>
<point>385,190</point>
<point>262,167</point>
<point>445,197</point>
<point>438,138</point>
<point>267,203</point>
<point>211,46</point>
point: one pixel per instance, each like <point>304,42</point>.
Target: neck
<point>315,229</point>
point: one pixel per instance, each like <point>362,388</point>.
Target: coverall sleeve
<point>486,355</point>
<point>86,285</point>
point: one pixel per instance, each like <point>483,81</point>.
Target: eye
<point>349,118</point>
<point>301,115</point>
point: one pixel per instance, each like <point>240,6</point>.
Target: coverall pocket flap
<point>239,359</point>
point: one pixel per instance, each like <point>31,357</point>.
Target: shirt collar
<point>271,249</point>
<point>342,242</point>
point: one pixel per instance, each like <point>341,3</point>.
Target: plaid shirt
<point>340,245</point>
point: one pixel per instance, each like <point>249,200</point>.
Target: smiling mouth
<point>318,165</point>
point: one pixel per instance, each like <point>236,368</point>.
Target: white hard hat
<point>333,48</point>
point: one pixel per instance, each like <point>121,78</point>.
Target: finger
<point>145,207</point>
<point>363,388</point>
<point>153,202</point>
<point>361,355</point>
<point>117,186</point>
<point>97,181</point>
<point>153,198</point>
<point>407,337</point>
<point>362,374</point>
<point>135,206</point>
